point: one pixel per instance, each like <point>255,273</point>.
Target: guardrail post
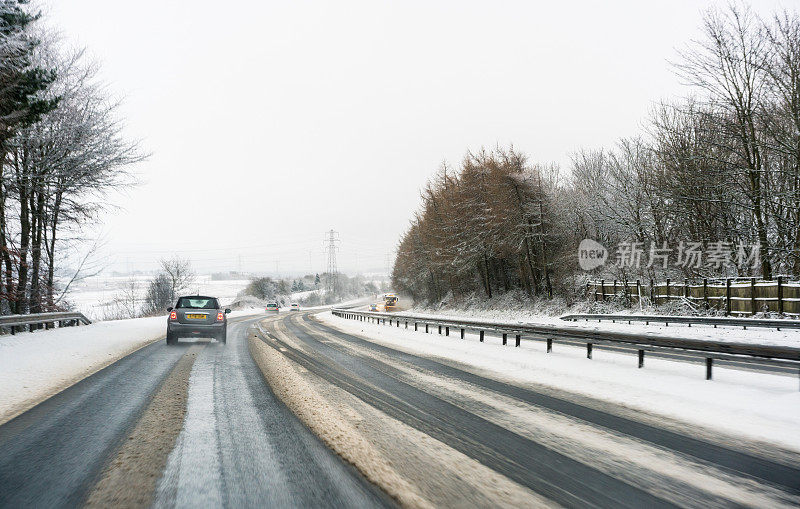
<point>588,350</point>
<point>481,336</point>
<point>426,328</point>
<point>709,364</point>
<point>518,339</point>
<point>549,345</point>
<point>447,331</point>
<point>397,323</point>
<point>462,333</point>
<point>727,297</point>
<point>780,295</point>
<point>641,359</point>
<point>415,326</point>
<point>753,309</point>
<point>505,339</point>
<point>406,324</point>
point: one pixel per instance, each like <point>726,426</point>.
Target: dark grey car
<point>197,316</point>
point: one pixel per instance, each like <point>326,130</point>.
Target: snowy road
<point>574,453</point>
<point>198,426</point>
<point>238,446</point>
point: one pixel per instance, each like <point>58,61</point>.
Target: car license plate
<point>196,316</point>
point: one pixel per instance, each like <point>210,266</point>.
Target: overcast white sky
<point>274,122</point>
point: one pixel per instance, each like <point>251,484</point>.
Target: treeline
<point>61,149</point>
<point>719,169</point>
<point>281,290</point>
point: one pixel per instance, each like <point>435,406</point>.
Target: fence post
<point>615,288</point>
<point>626,293</point>
<point>594,291</point>
<point>753,309</point>
<point>727,296</point>
<point>669,296</point>
<point>639,291</point>
<point>603,289</point>
<point>705,291</point>
<point>686,289</point>
<point>652,294</point>
<point>780,295</point>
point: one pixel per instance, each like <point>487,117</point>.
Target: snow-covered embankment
<point>37,365</point>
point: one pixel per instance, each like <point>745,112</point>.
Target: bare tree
<point>179,272</point>
<point>728,66</point>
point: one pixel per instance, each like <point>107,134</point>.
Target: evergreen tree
<point>21,104</point>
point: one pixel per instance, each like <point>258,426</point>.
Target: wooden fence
<point>734,296</point>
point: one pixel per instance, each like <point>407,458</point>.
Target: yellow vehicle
<point>390,301</point>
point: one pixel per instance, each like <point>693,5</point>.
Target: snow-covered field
<point>95,296</point>
<point>36,365</point>
<point>760,406</point>
<point>784,337</point>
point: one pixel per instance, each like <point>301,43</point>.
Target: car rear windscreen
<point>272,305</point>
<point>197,303</point>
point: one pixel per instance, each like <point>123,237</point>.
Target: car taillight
<point>173,316</point>
<point>220,317</point>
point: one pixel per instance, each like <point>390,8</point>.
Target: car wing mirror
<point>227,310</point>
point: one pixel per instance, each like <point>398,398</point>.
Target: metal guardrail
<point>699,320</point>
<point>709,350</point>
<point>32,321</point>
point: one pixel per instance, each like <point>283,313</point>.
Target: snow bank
<point>756,405</point>
<point>36,365</point>
<point>785,337</point>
